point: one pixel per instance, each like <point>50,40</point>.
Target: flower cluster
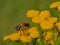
<point>44,19</point>
<point>46,22</point>
<point>25,36</point>
<point>55,5</point>
<point>49,25</point>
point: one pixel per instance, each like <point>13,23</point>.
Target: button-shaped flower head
<point>33,32</point>
<point>32,13</point>
<point>48,36</point>
<point>52,19</point>
<point>44,14</point>
<point>26,39</point>
<point>46,25</point>
<point>55,5</point>
<point>58,26</point>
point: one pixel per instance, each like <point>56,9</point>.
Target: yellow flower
<point>25,39</point>
<point>12,37</point>
<point>51,42</point>
<point>58,26</point>
<point>33,32</point>
<point>38,40</point>
<point>32,13</point>
<point>55,35</point>
<point>48,36</point>
<point>44,14</point>
<point>58,7</point>
<point>46,25</point>
<point>54,4</point>
<point>52,19</point>
<point>15,36</point>
<point>6,38</point>
<point>37,19</point>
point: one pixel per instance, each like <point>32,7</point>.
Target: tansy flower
<point>25,39</point>
<point>54,4</point>
<point>55,35</point>
<point>58,7</point>
<point>38,40</point>
<point>58,26</point>
<point>6,38</point>
<point>15,36</point>
<point>46,25</point>
<point>44,14</point>
<point>32,13</point>
<point>12,37</point>
<point>33,32</point>
<point>37,19</point>
<point>48,36</point>
<point>51,42</point>
<point>52,19</point>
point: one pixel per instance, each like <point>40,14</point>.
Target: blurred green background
<point>13,12</point>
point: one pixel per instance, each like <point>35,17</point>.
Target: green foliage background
<point>13,12</point>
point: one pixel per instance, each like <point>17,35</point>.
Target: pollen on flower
<point>32,13</point>
<point>46,25</point>
<point>52,19</point>
<point>57,25</point>
<point>44,14</point>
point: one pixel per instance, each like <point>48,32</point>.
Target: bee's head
<point>18,27</point>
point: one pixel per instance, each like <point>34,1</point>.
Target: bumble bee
<point>22,26</point>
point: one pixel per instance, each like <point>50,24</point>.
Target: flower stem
<point>58,15</point>
<point>25,43</point>
<point>34,42</point>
